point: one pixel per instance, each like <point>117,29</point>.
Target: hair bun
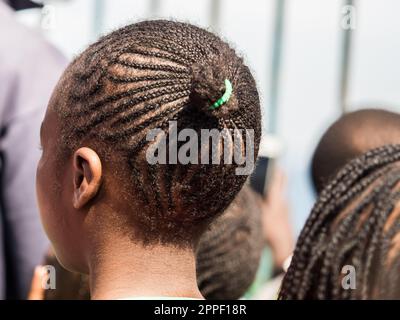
<point>208,85</point>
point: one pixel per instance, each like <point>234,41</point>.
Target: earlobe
<point>87,175</point>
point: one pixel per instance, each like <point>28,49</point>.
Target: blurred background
<point>312,59</point>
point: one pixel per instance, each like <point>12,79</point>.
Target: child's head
<point>94,180</point>
<point>228,254</point>
<point>354,231</point>
<point>350,136</point>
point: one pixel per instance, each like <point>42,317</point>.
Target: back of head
<point>353,230</point>
<point>350,136</point>
<point>137,81</point>
<point>229,252</point>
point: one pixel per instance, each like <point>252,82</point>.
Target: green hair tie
<point>225,97</point>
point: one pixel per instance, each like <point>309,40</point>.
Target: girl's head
<point>94,180</point>
<point>350,245</point>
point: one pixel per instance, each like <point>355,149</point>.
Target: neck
<point>122,269</point>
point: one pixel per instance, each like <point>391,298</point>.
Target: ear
<point>87,174</point>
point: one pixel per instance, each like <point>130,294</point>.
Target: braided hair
<point>355,222</point>
<point>139,78</point>
<point>228,254</point>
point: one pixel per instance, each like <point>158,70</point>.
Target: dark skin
<point>81,215</point>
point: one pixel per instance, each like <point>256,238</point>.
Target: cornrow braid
<point>142,77</point>
<point>355,222</point>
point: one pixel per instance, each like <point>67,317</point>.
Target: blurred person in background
<point>278,237</point>
<point>29,69</point>
<point>276,223</point>
<point>228,254</point>
<point>349,247</point>
<point>69,285</point>
<point>350,136</point>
